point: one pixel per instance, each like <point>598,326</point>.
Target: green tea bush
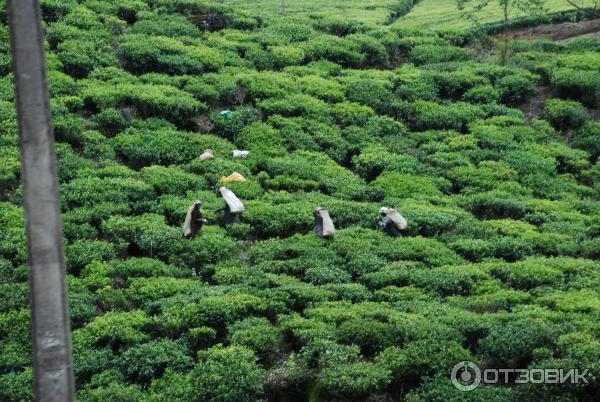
<point>212,247</point>
<point>408,186</point>
<point>172,180</point>
<point>515,88</point>
<point>481,178</point>
<point>482,94</point>
<point>230,126</point>
<point>524,337</point>
<point>15,297</point>
<point>148,100</point>
<point>565,115</point>
<point>166,25</point>
<point>149,361</point>
<point>528,274</point>
<point>322,88</point>
<point>110,122</point>
<point>82,252</point>
<point>141,54</point>
<point>91,191</point>
<point>421,358</point>
<point>501,206</point>
<point>111,392</point>
<point>118,330</point>
<point>255,333</point>
<point>148,232</point>
<point>434,116</point>
<point>370,335</point>
<point>358,379</point>
<point>17,386</point>
<point>350,113</point>
<point>431,54</point>
<point>227,374</point>
<point>454,84</point>
<point>441,388</point>
<point>260,138</point>
<point>12,238</point>
<point>295,105</point>
<point>581,85</point>
<point>165,146</point>
<point>332,48</point>
<point>143,267</point>
<point>374,160</point>
<point>372,93</point>
<point>80,57</point>
<point>586,138</point>
<point>282,219</point>
<point>333,179</point>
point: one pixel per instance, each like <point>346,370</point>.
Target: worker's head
<point>384,211</point>
<point>198,203</point>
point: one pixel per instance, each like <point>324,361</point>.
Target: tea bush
<point>500,197</point>
<point>565,114</point>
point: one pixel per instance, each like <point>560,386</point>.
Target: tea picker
<point>240,153</point>
<point>207,155</point>
<point>323,224</point>
<point>392,223</point>
<point>193,220</point>
<point>233,206</point>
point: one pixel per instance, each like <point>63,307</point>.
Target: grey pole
<point>51,330</point>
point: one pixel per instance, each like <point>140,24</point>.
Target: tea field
<point>370,11</point>
<point>498,265</point>
<point>444,14</point>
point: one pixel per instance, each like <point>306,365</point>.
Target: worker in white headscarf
<point>392,223</point>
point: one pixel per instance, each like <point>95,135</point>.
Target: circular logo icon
<point>466,376</point>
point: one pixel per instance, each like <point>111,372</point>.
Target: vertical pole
<point>282,7</point>
<point>51,332</point>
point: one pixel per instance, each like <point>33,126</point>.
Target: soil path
<point>560,31</point>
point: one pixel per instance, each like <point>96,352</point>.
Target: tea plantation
<point>444,14</point>
<point>498,264</point>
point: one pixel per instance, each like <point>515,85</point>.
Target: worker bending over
<point>233,206</point>
<point>392,223</point>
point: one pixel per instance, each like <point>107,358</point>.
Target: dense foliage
<point>499,263</point>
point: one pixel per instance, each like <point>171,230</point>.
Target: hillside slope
<point>498,265</point>
<point>444,14</point>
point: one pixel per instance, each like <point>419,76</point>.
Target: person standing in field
<point>193,221</point>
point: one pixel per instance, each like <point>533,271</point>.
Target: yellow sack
<point>235,177</point>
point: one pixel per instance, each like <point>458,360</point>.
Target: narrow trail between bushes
<point>534,107</point>
<point>557,32</point>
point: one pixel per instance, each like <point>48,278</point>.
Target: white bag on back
<point>234,203</point>
<point>395,216</point>
<point>240,154</point>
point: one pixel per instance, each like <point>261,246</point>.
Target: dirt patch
<point>560,31</point>
<point>534,108</point>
